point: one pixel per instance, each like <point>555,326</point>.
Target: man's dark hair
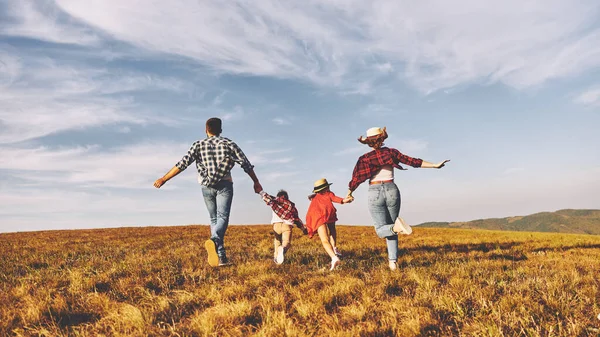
<point>283,193</point>
<point>213,125</point>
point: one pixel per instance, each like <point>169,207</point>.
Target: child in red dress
<point>321,218</point>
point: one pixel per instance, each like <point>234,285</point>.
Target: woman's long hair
<point>375,142</point>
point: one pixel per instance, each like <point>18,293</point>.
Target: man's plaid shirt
<point>215,157</point>
<point>370,163</point>
<point>285,209</point>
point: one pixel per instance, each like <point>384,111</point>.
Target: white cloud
<point>10,68</point>
<point>44,21</point>
<point>377,110</point>
<point>75,209</point>
<point>273,151</point>
<point>41,96</point>
<point>384,67</point>
<point>284,160</point>
<point>352,150</point>
<point>589,97</point>
<point>262,157</point>
<point>432,44</point>
<point>218,99</point>
<point>234,114</point>
<point>124,129</point>
<point>132,166</point>
<point>280,177</point>
<point>281,121</point>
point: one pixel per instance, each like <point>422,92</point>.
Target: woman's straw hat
<point>320,185</point>
<point>374,131</point>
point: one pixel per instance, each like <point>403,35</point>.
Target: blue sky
<point>99,98</point>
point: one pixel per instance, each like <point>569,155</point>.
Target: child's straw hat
<point>320,185</point>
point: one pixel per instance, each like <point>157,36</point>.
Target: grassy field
<point>156,282</point>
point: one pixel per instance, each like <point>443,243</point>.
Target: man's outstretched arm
<point>252,175</point>
<point>161,181</point>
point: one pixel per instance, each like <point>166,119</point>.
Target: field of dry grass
<point>156,282</point>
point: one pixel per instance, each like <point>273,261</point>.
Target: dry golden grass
<point>156,282</point>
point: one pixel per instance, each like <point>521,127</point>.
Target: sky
<point>99,98</point>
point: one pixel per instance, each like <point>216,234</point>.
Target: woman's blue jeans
<point>384,206</point>
<point>218,202</point>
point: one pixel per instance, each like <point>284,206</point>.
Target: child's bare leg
<point>323,232</point>
<point>332,234</point>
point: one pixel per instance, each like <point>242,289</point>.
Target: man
<point>215,156</point>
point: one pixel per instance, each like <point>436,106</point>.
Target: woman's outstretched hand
<point>442,164</point>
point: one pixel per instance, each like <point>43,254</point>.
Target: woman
<point>384,197</point>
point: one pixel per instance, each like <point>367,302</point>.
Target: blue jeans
<point>384,206</point>
<point>218,202</point>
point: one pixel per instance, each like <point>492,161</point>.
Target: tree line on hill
<point>576,221</point>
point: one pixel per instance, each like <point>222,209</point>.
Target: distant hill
<point>579,221</point>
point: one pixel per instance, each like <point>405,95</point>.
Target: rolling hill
<point>577,221</point>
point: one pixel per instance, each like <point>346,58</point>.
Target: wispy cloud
<point>41,96</point>
<point>274,151</point>
<point>590,97</point>
<point>281,121</point>
<point>352,150</point>
<point>236,113</point>
<point>281,177</point>
<point>377,110</point>
<point>43,20</point>
<point>61,208</point>
<point>432,45</point>
<point>123,167</point>
<point>218,100</point>
<point>265,156</point>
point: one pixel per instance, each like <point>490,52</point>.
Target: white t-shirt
<point>386,173</point>
<point>276,218</point>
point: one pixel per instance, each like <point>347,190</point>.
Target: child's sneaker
<point>393,265</point>
<point>335,261</point>
<point>280,255</point>
<point>337,252</point>
<point>211,249</point>
<point>400,227</point>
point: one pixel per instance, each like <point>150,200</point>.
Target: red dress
<point>321,211</point>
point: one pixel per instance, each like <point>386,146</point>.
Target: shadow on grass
<point>464,248</point>
<point>66,319</point>
<point>563,248</point>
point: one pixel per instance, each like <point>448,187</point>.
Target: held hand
<point>348,200</point>
<point>349,196</point>
<point>442,164</point>
<point>257,187</point>
<point>159,182</point>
